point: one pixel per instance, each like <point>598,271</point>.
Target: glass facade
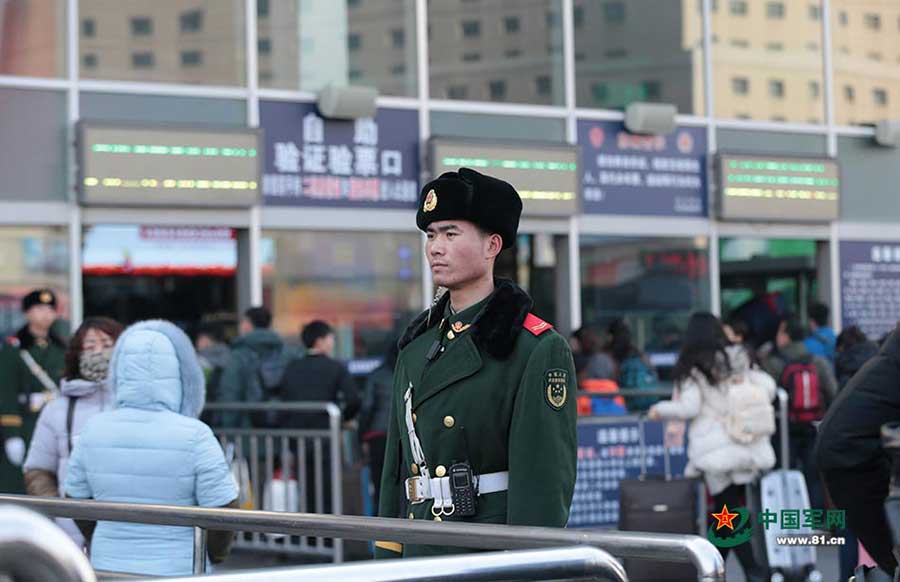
<point>508,52</point>
<point>638,50</point>
<point>767,60</point>
<point>655,284</point>
<point>33,168</point>
<point>308,45</point>
<point>32,257</point>
<point>191,41</point>
<point>366,285</point>
<point>33,38</point>
<point>866,53</point>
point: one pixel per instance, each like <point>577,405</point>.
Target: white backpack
<point>750,414</point>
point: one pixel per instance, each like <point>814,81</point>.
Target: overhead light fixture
<point>650,118</point>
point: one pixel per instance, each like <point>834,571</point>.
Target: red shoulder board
<point>535,324</point>
<point>13,341</point>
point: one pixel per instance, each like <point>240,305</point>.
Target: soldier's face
<point>459,253</point>
<point>40,317</point>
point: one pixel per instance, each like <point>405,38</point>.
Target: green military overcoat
<point>501,396</point>
<point>21,394</point>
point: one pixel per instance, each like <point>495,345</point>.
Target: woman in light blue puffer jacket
<point>151,449</point>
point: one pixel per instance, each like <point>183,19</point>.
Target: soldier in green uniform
<point>31,363</point>
<point>483,409</point>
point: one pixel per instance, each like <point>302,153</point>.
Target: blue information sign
<point>625,173</point>
<point>608,452</point>
<point>363,163</point>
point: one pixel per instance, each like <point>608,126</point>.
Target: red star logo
<point>725,518</point>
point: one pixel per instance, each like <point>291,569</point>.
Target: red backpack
<point>801,380</point>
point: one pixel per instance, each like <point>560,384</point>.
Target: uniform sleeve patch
<point>556,387</point>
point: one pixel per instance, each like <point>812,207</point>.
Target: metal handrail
<point>544,564</point>
<point>650,546</point>
<point>33,548</point>
<point>334,444</point>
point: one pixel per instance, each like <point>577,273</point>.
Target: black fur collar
<point>26,340</point>
<point>495,330</point>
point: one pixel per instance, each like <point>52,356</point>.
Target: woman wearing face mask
<point>84,394</point>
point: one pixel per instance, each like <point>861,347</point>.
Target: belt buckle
<point>415,490</point>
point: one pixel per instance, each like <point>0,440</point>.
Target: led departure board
<point>546,176</point>
<point>151,166</point>
<point>771,188</point>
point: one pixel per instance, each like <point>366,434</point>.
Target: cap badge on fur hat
<point>46,297</point>
<point>431,201</point>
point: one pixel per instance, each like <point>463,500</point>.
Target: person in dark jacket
<point>318,377</point>
<point>853,350</point>
<point>854,466</point>
<point>375,414</point>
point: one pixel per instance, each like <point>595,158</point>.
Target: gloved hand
<point>15,450</point>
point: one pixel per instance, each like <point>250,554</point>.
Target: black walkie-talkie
<point>462,490</point>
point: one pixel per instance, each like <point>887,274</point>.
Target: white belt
<point>419,489</point>
<point>423,487</point>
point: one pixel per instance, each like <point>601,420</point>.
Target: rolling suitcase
<point>786,490</point>
<point>659,504</point>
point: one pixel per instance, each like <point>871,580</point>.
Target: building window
<point>88,28</point>
<point>617,53</point>
<point>873,56</point>
<point>512,54</point>
<point>880,97</point>
<point>354,75</point>
<point>812,47</point>
<point>89,61</point>
<point>191,58</point>
<point>398,70</point>
<point>578,16</point>
<point>776,88</point>
<point>457,92</point>
<point>264,46</point>
<point>651,90</point>
<point>843,18</point>
<point>142,60</point>
<point>814,89</point>
<point>543,85</point>
<point>512,24</point>
<point>775,47</point>
<point>849,94</point>
<point>873,21</point>
<point>600,91</point>
<point>191,21</point>
<point>741,43</point>
<point>815,12</point>
<point>471,28</point>
<point>471,57</point>
<point>398,38</point>
<point>778,118</point>
<point>738,7</point>
<point>262,8</point>
<point>354,42</point>
<point>497,90</point>
<point>740,85</point>
<point>775,10</point>
<point>141,26</point>
<point>552,19</point>
<point>614,12</point>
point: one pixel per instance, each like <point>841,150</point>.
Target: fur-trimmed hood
<point>494,330</point>
<point>154,367</point>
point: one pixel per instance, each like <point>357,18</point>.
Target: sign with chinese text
<point>648,175</point>
<point>148,166</point>
<point>608,452</point>
<point>771,188</point>
<point>545,176</point>
<point>313,161</point>
<point>870,286</point>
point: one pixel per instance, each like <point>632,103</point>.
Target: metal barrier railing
<point>304,458</point>
<point>32,548</point>
<point>666,547</point>
<point>545,564</point>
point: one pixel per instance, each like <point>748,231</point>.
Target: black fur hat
<point>491,203</point>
